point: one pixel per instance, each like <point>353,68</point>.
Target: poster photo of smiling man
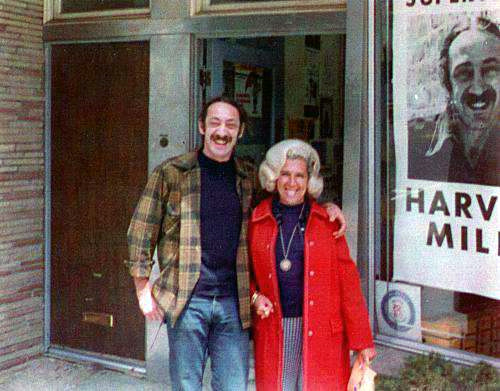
<point>461,143</point>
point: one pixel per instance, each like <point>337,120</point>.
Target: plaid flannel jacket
<point>167,216</point>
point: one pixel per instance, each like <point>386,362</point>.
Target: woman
<point>308,307</point>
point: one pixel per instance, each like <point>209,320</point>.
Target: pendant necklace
<point>285,263</point>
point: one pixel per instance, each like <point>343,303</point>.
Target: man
<point>194,210</point>
<point>461,144</point>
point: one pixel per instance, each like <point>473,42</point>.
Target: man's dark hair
<point>483,24</point>
<point>224,99</point>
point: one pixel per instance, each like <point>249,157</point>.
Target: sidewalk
<point>51,374</point>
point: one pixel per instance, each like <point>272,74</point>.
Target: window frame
<point>203,7</point>
<point>53,11</point>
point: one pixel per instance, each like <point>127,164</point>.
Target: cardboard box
<point>448,332</point>
<point>477,332</point>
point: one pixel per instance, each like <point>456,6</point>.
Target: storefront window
<point>438,277</point>
<point>264,6</point>
<point>76,9</point>
<point>71,6</point>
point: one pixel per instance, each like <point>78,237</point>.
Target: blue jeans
<point>209,327</point>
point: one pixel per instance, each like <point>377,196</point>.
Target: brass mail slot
<point>98,318</point>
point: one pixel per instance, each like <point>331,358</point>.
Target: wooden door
<point>99,150</point>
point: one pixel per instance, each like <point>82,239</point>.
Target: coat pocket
<point>337,327</point>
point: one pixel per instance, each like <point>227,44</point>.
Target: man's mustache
<point>217,137</point>
<point>477,102</point>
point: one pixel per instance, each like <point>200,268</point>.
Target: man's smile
<point>221,140</point>
<point>480,102</point>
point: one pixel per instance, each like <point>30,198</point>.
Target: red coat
<point>335,318</point>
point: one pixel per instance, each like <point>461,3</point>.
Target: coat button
<point>311,302</point>
<point>311,243</point>
<point>310,333</point>
<point>268,246</point>
<point>270,276</point>
<point>311,273</point>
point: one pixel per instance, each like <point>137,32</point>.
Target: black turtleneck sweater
<point>291,282</point>
<point>220,213</point>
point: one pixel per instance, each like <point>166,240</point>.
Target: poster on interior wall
<point>398,310</point>
<point>248,88</point>
<point>311,96</point>
<point>446,97</point>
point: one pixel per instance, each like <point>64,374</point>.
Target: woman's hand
<point>361,364</point>
<point>366,356</point>
<point>263,306</point>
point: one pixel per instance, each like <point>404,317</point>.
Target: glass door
<point>291,87</point>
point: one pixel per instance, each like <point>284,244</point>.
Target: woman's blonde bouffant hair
<point>276,156</point>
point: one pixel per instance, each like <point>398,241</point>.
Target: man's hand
<point>263,306</point>
<point>147,303</point>
<point>335,213</point>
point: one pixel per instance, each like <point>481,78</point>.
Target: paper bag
<point>362,378</point>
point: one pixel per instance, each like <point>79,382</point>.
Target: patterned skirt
<point>292,354</point>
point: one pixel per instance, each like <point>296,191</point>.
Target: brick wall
<point>21,181</point>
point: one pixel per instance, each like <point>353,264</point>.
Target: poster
<point>248,88</point>
<point>446,96</point>
<point>398,310</point>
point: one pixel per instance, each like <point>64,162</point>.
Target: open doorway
<point>291,87</point>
